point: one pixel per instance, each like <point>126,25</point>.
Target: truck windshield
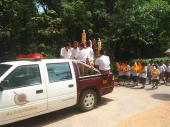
<point>4,68</point>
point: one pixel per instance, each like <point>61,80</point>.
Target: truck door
<point>61,85</point>
<point>24,95</point>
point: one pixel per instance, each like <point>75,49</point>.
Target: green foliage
<point>128,29</point>
<point>158,59</point>
<point>15,31</point>
<point>138,29</point>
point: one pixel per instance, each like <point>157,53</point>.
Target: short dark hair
<point>81,45</point>
<point>75,42</point>
<point>67,44</point>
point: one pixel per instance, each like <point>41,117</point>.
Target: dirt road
<point>157,116</point>
<point>114,110</point>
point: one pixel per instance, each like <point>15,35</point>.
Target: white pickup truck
<point>30,88</point>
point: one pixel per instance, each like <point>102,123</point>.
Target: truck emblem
<point>20,99</point>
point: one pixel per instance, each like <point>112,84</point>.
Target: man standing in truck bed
<point>103,63</point>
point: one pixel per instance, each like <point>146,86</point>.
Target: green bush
<point>158,59</point>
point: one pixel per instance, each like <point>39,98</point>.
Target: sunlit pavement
<point>122,103</point>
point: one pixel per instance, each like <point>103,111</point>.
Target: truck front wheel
<point>88,100</point>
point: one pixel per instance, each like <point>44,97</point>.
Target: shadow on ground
<point>46,119</point>
<point>164,97</point>
<point>50,118</point>
<point>104,101</point>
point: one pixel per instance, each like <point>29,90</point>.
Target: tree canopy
<point>128,29</point>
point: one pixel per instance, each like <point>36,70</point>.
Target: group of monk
<point>140,72</point>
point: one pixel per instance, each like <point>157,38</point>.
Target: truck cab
<point>33,87</point>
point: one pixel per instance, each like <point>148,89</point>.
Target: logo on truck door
<point>20,99</point>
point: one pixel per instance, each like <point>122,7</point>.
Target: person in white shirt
<point>168,68</point>
<point>82,55</point>
<point>74,51</point>
<point>127,74</point>
<point>161,69</point>
<point>90,54</point>
<point>167,72</point>
<point>150,67</point>
<point>65,52</point>
<point>103,63</point>
<point>143,74</point>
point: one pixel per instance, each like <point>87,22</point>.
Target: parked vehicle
<point>33,87</point>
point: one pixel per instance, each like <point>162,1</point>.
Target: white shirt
<point>144,72</point>
<point>135,74</point>
<point>164,66</point>
<point>74,53</point>
<point>82,55</point>
<point>90,53</point>
<point>150,67</point>
<point>103,62</point>
<point>161,69</point>
<point>168,68</point>
<point>65,54</point>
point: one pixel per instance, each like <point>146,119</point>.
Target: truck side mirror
<point>3,84</point>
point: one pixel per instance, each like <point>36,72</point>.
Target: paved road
<point>122,102</point>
